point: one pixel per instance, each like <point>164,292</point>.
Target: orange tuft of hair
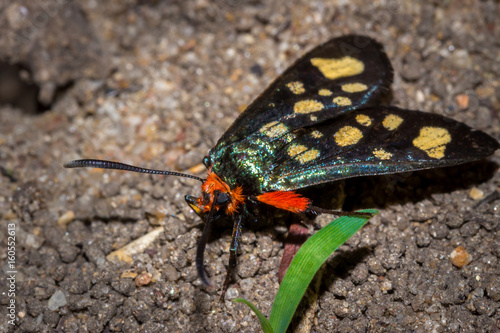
<point>215,183</point>
<point>286,200</point>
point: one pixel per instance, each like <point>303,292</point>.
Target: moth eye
<point>206,161</point>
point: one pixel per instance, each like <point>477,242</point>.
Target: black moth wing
<point>375,141</point>
<point>341,75</point>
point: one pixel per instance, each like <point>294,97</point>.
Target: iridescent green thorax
<point>248,163</point>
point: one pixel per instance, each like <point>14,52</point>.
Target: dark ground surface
<point>156,84</point>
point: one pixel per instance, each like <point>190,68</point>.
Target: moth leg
<point>233,251</point>
<point>318,210</point>
<point>306,221</point>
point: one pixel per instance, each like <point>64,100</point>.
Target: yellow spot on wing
<point>363,119</point>
<point>342,101</point>
<point>391,122</point>
<point>316,134</point>
<point>347,136</point>
<point>274,129</point>
<point>354,87</point>
<point>313,118</point>
<point>307,106</point>
<point>296,87</point>
<point>308,156</point>
<point>296,149</point>
<point>325,92</point>
<point>382,154</point>
<point>337,68</point>
<point>433,141</point>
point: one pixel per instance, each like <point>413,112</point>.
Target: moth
<point>320,121</point>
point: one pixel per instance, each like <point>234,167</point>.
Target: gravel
<point>156,83</point>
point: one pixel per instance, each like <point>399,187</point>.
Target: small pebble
<point>128,274</point>
<point>57,300</point>
<point>476,194</point>
<point>198,168</point>
<point>462,101</point>
<point>66,218</point>
<point>137,246</point>
<point>460,257</point>
<point>143,279</point>
<point>232,293</point>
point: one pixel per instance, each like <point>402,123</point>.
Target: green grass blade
<point>306,263</point>
<point>264,323</point>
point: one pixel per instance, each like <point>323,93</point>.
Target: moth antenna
<point>102,164</point>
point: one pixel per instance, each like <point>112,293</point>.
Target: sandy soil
<point>156,83</point>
